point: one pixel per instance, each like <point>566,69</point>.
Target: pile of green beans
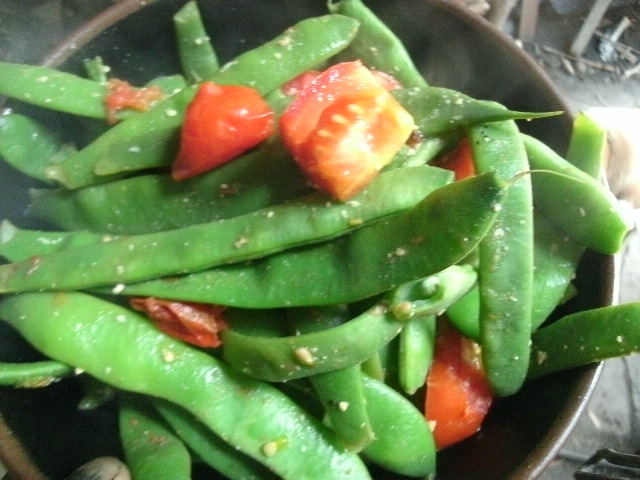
<point>306,384</point>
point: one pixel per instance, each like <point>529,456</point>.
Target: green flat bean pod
<point>376,45</point>
<point>197,56</point>
<point>33,374</point>
<point>310,219</point>
<point>210,448</point>
<point>437,110</point>
<point>53,89</point>
<point>373,259</point>
<point>586,337</point>
<point>18,244</point>
<point>156,202</point>
<point>251,415</point>
<point>575,201</point>
<point>29,146</point>
<point>152,450</point>
<point>505,273</point>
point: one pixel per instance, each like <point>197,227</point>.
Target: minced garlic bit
<point>304,356</point>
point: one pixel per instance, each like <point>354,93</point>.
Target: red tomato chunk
<point>191,322</point>
<point>220,123</point>
<point>343,127</point>
<point>458,395</point>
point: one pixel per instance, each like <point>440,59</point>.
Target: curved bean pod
<point>375,258</point>
<point>279,359</point>
<point>52,89</point>
<point>576,202</point>
<point>74,328</point>
<point>437,110</point>
<point>308,220</point>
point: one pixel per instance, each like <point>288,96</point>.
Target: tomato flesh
<point>221,122</point>
<point>459,160</point>
<point>191,322</point>
<point>343,128</point>
<point>458,395</point>
<point>121,95</point>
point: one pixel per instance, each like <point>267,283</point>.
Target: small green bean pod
<point>197,56</point>
<point>209,447</point>
<point>376,45</point>
<point>585,337</point>
<point>152,450</point>
<point>33,374</point>
<point>105,339</point>
<point>418,304</point>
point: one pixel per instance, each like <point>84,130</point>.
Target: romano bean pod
<point>505,273</point>
<point>151,449</point>
<point>210,448</point>
<point>586,337</point>
<point>416,243</point>
<point>155,202</point>
<point>313,218</point>
<point>575,201</point>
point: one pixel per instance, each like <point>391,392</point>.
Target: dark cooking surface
<point>611,419</point>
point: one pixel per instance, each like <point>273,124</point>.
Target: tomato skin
<point>121,94</point>
<point>458,395</point>
<point>343,128</point>
<point>191,322</point>
<point>459,160</point>
<point>302,81</point>
<point>221,122</point>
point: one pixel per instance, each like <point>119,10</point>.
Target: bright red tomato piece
<point>221,122</point>
<point>343,128</point>
<point>459,160</point>
<point>121,94</point>
<point>191,322</point>
<point>458,395</point>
